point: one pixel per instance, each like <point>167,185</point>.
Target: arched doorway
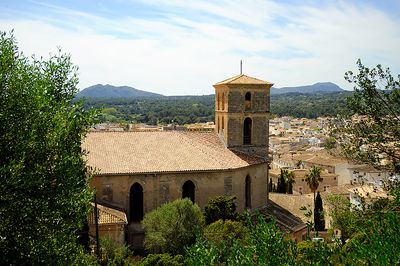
<point>247,191</point>
<point>136,203</point>
<point>188,190</point>
<point>247,131</point>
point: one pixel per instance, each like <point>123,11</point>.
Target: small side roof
<point>243,79</point>
<point>107,215</point>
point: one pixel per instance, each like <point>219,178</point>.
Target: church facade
<point>136,172</point>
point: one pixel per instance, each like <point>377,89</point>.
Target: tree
<point>289,177</point>
<point>281,183</point>
<point>342,215</point>
<point>372,134</point>
<point>161,260</point>
<point>172,226</point>
<point>319,221</point>
<point>45,197</point>
<point>224,231</point>
<point>220,207</point>
<point>114,254</point>
<point>265,244</point>
<point>313,178</point>
<point>270,185</point>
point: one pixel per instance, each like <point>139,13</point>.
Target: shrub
<point>162,260</point>
<point>114,254</point>
<point>220,208</point>
<point>224,231</point>
<point>172,226</point>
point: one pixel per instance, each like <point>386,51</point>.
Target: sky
<point>182,47</point>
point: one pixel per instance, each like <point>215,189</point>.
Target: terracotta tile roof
<point>243,79</point>
<point>320,158</point>
<point>150,152</point>
<point>107,216</point>
<point>293,203</point>
<point>286,220</point>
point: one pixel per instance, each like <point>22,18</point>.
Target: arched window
<point>188,190</point>
<point>136,202</point>
<point>222,124</point>
<point>247,101</point>
<point>247,131</point>
<point>218,101</point>
<point>223,101</point>
<point>247,191</point>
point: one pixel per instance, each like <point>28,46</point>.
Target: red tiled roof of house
<point>150,152</point>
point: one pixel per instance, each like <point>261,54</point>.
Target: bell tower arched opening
<point>247,131</point>
<point>247,101</point>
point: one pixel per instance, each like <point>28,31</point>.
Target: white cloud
<point>178,54</point>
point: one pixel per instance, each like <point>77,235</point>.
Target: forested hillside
<point>174,109</point>
<point>309,106</point>
<point>195,109</point>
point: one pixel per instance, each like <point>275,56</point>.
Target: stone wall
<point>164,187</point>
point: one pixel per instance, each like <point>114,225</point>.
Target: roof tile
<point>243,79</point>
<point>149,152</point>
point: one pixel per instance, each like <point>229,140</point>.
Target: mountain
<point>321,87</point>
<point>109,91</point>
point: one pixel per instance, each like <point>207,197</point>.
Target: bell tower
<point>242,114</point>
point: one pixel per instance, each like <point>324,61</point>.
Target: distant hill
<point>109,91</point>
<point>321,87</point>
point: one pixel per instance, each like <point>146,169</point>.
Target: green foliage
<point>313,178</point>
<point>203,253</point>
<point>377,241</point>
<point>371,231</point>
<point>164,110</point>
<point>162,260</point>
<point>309,105</point>
<point>342,215</point>
<point>375,138</point>
<point>172,226</point>
<point>319,221</point>
<point>316,253</point>
<point>44,181</point>
<point>220,207</point>
<point>281,187</point>
<point>222,232</point>
<point>114,254</point>
<point>264,245</point>
<point>285,182</point>
<point>371,234</point>
<point>289,178</point>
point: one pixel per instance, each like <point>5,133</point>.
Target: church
<point>136,172</point>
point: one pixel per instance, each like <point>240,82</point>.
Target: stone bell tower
<point>242,114</point>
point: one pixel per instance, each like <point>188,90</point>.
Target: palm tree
<point>313,178</point>
<point>290,181</point>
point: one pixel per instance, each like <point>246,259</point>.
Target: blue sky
<point>183,47</point>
